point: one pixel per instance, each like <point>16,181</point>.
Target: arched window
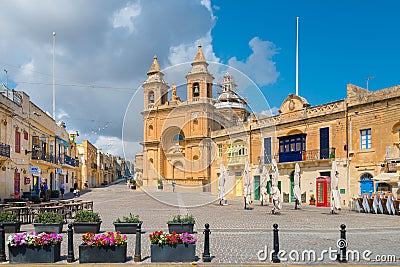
<point>178,137</point>
<point>196,90</point>
<point>195,157</point>
<point>366,176</point>
<point>151,97</point>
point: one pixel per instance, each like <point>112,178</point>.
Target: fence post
<point>206,254</point>
<point>342,244</point>
<point>70,256</point>
<point>138,249</point>
<point>2,244</point>
<point>275,258</point>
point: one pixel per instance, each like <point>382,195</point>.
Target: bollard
<point>206,254</point>
<point>2,244</point>
<point>342,244</point>
<point>138,249</point>
<point>70,256</point>
<point>275,258</point>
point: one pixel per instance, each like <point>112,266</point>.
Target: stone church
<point>177,134</point>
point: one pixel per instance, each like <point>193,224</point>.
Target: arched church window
<point>178,137</point>
<point>151,97</point>
<point>196,90</point>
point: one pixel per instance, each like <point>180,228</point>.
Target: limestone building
<point>187,141</point>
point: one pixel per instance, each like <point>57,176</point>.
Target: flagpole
<point>297,55</point>
<point>54,84</point>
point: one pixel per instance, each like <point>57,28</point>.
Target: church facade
<point>187,141</point>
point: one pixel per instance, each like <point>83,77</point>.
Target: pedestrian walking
<point>173,186</point>
<point>62,189</point>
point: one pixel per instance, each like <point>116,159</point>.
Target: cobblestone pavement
<point>237,235</point>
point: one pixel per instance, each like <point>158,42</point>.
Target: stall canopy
<point>387,177</point>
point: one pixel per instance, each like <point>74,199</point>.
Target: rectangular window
<point>267,150</point>
<point>25,135</point>
<point>219,150</point>
<point>17,142</point>
<point>365,139</point>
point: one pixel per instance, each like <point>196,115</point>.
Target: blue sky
<point>105,48</point>
<point>340,42</point>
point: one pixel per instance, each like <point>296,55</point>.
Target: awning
<point>387,177</point>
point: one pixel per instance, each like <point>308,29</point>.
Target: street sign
<point>34,170</point>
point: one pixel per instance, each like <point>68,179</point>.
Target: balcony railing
<point>69,161</point>
<point>237,160</point>
<point>38,155</point>
<point>4,150</point>
<point>392,152</point>
<point>309,155</point>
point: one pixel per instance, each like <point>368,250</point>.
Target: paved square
<point>237,235</point>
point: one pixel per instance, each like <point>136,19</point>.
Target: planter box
<point>84,227</point>
<point>133,187</point>
<point>89,254</point>
<point>126,228</point>
<point>160,187</point>
<point>31,254</point>
<point>180,253</point>
<point>11,227</point>
<point>180,228</point>
<point>48,227</point>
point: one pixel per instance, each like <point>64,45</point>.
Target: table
<point>87,205</point>
<point>22,213</point>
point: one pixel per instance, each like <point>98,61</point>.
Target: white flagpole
<point>297,55</point>
<point>54,84</point>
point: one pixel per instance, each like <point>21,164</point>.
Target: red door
<point>17,184</point>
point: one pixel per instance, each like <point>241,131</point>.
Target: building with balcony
<point>187,141</point>
<point>31,139</point>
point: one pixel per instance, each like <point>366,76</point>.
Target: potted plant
<point>312,199</point>
<point>133,184</point>
<point>160,184</point>
<point>48,222</point>
<point>86,221</point>
<point>128,224</point>
<point>34,248</point>
<point>181,224</point>
<point>172,247</point>
<point>10,222</point>
<point>108,247</point>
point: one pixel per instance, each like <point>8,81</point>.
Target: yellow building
<point>187,141</point>
<point>87,154</point>
<point>33,147</point>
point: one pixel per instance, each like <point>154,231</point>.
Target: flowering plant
<point>104,240</point>
<point>160,238</point>
<point>34,239</point>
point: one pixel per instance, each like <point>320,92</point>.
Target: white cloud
<point>259,66</point>
<point>62,114</point>
<point>270,112</point>
<point>186,52</point>
<point>109,144</point>
<point>124,16</point>
<point>98,66</point>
